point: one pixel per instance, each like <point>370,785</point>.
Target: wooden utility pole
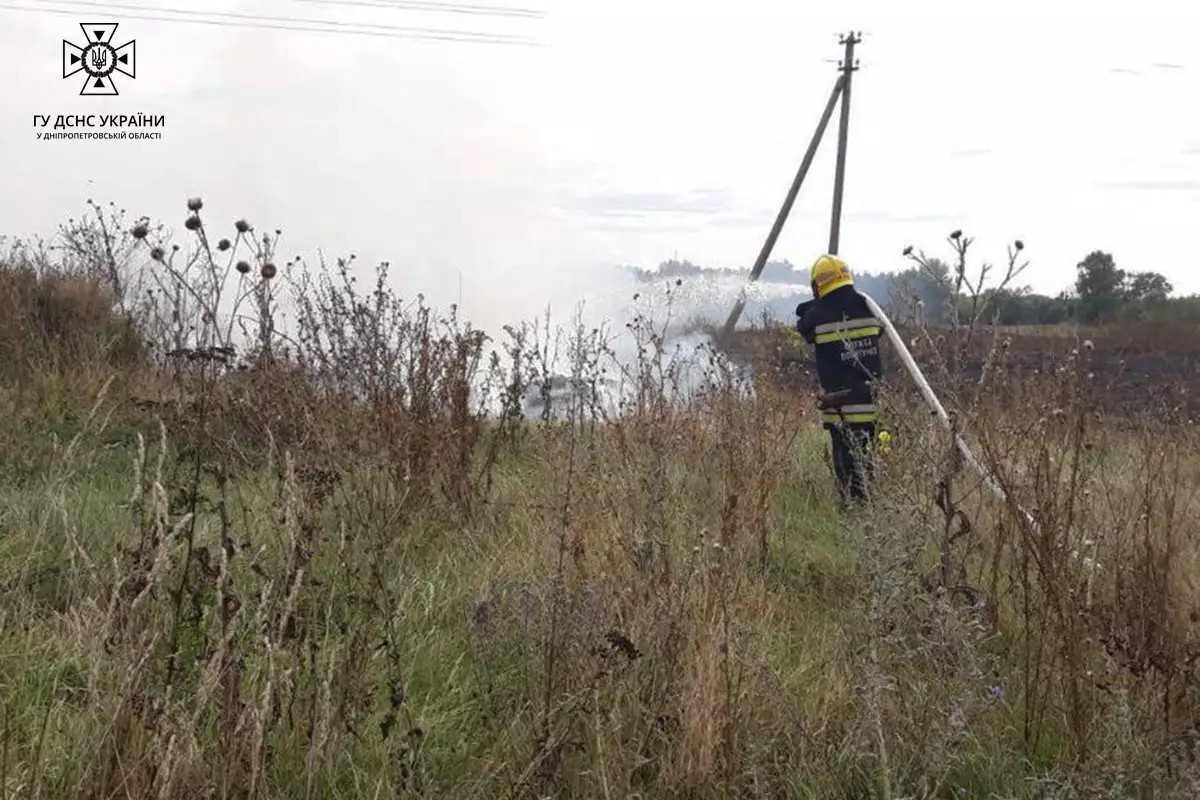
<point>848,66</point>
<point>841,89</point>
<point>786,209</point>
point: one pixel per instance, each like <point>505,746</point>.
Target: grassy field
<point>330,574</point>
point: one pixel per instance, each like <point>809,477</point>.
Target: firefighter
<point>845,336</point>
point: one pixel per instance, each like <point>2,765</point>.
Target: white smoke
<point>661,325</point>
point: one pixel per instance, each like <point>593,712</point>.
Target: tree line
<point>1102,292</point>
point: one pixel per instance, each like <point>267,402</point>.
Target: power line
<point>429,5</point>
<point>235,20</point>
<point>467,36</point>
<point>285,20</point>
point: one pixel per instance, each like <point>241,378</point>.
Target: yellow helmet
<point>829,273</point>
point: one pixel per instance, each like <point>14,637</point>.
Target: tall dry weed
<point>1082,569</point>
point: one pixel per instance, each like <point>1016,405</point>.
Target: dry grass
<point>341,564</point>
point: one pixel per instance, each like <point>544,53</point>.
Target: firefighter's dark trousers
<point>853,458</point>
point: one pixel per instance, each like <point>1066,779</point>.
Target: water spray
<point>847,66</point>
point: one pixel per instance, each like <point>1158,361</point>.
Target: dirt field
<point>1138,368</point>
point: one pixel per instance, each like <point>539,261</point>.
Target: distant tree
<point>782,272</point>
<point>1021,306</point>
<point>676,269</point>
<point>1013,306</point>
<point>877,285</point>
<point>1063,308</point>
<point>1100,287</point>
<point>1102,293</point>
<point>934,284</point>
<point>1147,287</point>
<point>927,287</point>
<point>1177,309</point>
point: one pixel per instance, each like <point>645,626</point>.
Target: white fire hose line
<point>935,406</point>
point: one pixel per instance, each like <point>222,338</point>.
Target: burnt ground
<point>1137,368</point>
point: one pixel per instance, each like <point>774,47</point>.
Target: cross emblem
<point>99,59</point>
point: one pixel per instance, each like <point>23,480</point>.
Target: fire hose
<point>935,406</point>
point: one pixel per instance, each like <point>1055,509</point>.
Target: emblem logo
<point>99,59</point>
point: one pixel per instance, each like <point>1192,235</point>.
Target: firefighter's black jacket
<point>846,337</point>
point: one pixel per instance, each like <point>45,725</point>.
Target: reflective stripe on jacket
<point>846,338</point>
<point>855,412</point>
<point>848,329</point>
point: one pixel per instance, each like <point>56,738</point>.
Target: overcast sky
<point>638,130</point>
